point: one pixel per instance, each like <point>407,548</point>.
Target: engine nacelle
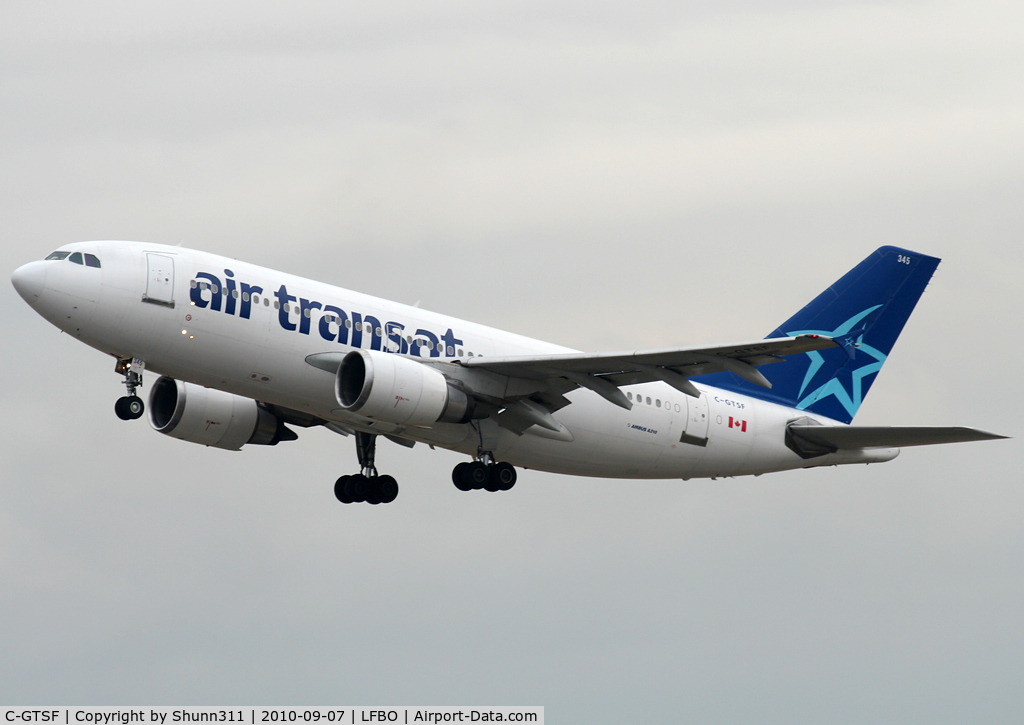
<point>196,414</point>
<point>398,390</point>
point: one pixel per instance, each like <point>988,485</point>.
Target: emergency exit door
<point>159,280</point>
<point>697,419</point>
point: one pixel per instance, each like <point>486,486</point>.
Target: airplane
<point>243,352</point>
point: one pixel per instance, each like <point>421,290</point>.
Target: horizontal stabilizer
<point>829,438</point>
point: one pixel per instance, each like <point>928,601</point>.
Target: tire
<point>121,409</point>
<point>504,474</point>
<point>459,478</point>
<point>373,492</point>
<point>343,489</point>
<point>476,474</point>
<point>360,487</point>
<point>135,407</point>
<point>388,489</point>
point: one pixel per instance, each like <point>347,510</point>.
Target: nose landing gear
<point>130,407</point>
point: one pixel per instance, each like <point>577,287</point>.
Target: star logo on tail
<point>849,399</point>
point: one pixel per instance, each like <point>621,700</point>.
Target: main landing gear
<point>130,407</point>
<point>366,486</point>
<point>485,474</point>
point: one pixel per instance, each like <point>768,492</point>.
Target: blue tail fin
<point>865,311</point>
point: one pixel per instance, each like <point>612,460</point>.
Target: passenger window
<point>629,395</point>
<point>91,260</point>
<point>193,284</point>
<point>460,352</point>
<point>76,258</point>
<point>58,255</point>
<point>657,403</point>
<point>648,400</point>
<point>677,407</point>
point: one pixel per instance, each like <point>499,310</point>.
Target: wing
<point>604,372</point>
<point>524,390</point>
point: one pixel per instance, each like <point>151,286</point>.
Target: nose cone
<point>29,279</point>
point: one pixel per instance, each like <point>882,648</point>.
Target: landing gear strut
<point>130,407</point>
<point>366,485</point>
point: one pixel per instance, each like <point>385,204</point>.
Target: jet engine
<point>398,390</point>
<point>196,414</point>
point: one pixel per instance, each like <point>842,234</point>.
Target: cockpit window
<point>76,258</point>
<point>91,260</point>
<point>58,255</point>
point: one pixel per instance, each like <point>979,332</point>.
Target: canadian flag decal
<point>736,423</point>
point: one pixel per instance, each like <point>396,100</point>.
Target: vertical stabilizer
<point>865,311</point>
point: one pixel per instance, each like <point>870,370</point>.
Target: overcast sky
<point>600,175</point>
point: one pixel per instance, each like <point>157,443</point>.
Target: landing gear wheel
<point>129,407</point>
<point>343,489</point>
<point>388,489</point>
<point>360,487</point>
<point>459,477</point>
<point>373,492</point>
<point>476,474</point>
<point>503,476</point>
<point>135,407</point>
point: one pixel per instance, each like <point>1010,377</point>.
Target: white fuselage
<point>146,301</point>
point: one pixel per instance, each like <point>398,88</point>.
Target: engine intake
<point>211,417</point>
<point>398,390</point>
